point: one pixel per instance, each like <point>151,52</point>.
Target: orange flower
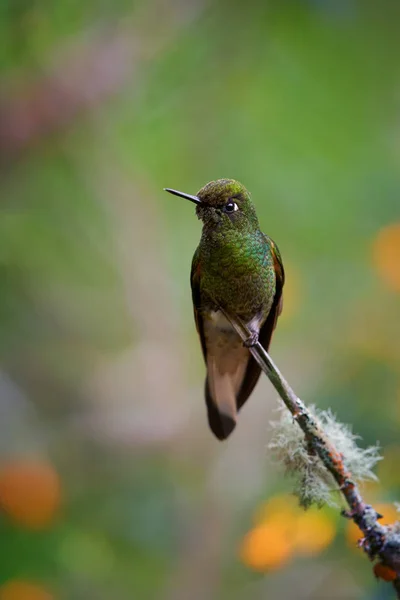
<point>29,492</point>
<point>283,528</point>
<point>266,547</point>
<point>23,590</point>
<point>281,508</point>
<point>314,531</point>
<point>386,255</point>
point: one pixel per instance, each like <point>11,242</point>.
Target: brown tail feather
<point>221,424</point>
<point>224,376</point>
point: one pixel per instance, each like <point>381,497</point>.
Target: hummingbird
<point>237,275</point>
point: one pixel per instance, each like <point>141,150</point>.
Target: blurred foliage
<point>110,483</point>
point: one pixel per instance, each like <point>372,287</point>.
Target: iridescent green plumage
<point>236,271</point>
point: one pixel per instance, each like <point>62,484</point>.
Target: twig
<point>379,541</point>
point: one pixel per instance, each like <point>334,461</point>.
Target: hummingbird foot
<point>252,340</point>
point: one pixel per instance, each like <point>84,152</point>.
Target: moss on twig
<point>313,483</point>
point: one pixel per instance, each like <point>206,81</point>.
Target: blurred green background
<point>111,484</point>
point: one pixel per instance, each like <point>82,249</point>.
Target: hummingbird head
<point>223,203</point>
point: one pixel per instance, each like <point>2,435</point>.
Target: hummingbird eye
<point>231,207</point>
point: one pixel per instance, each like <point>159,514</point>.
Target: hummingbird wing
<point>226,360</point>
<point>195,285</point>
<point>253,370</point>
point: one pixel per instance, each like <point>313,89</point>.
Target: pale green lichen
<point>313,483</point>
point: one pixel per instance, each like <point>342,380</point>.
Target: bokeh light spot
<point>283,528</point>
<point>86,553</point>
<point>314,532</point>
<point>30,492</point>
<point>386,255</point>
<point>279,508</point>
<point>23,590</point>
<point>266,547</point>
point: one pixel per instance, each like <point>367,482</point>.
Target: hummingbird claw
<point>252,340</point>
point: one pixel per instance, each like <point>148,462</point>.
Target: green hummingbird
<point>237,272</point>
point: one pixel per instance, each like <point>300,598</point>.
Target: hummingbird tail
<point>221,423</point>
<point>221,402</point>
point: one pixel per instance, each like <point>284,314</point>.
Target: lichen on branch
<point>313,483</point>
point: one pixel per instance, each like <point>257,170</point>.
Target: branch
<point>379,541</point>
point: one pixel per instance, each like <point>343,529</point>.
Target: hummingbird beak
<point>194,199</point>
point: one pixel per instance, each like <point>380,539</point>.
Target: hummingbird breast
<point>238,274</point>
